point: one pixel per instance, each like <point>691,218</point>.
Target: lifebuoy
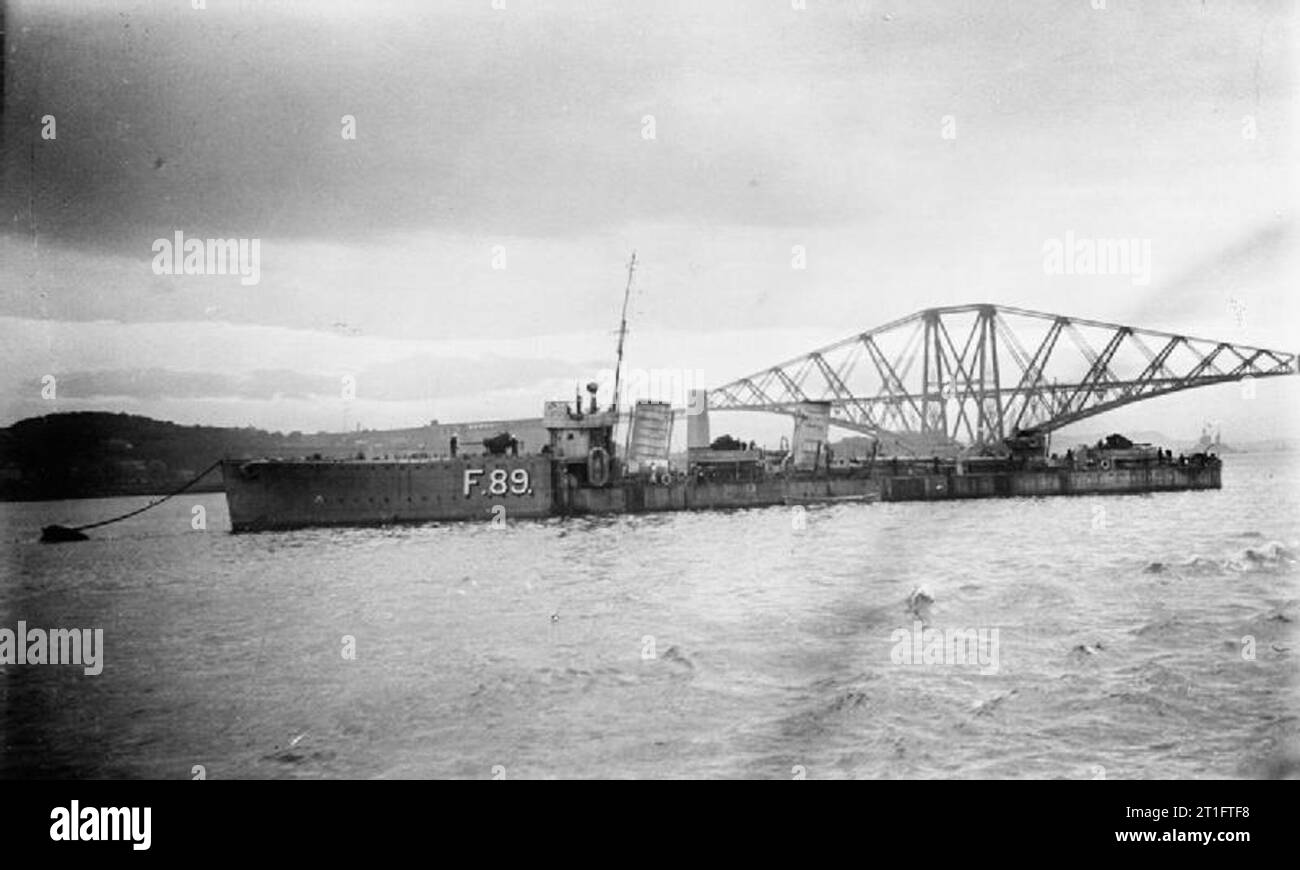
<point>1105,465</point>
<point>598,466</point>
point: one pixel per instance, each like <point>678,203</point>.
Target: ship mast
<point>622,328</point>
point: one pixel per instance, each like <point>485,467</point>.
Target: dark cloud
<point>228,122</point>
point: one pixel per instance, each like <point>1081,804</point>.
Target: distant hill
<point>91,453</point>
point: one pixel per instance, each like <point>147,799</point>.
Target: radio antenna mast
<point>622,328</point>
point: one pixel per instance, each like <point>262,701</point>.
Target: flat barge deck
<point>938,480</point>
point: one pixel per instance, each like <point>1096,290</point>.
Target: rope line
<point>202,474</point>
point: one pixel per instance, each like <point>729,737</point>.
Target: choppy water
<point>686,645</point>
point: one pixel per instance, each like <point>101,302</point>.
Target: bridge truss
<point>968,376</point>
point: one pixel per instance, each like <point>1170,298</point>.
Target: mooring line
<point>63,533</point>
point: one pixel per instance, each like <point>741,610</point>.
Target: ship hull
<point>274,494</point>
<point>266,495</point>
<point>1050,482</point>
<point>687,495</point>
<point>269,494</point>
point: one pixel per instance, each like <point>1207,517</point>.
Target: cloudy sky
<point>463,255</point>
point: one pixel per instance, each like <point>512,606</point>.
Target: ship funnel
<point>697,419</point>
<point>652,430</point>
<point>811,432</point>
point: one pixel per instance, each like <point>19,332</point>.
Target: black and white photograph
<point>875,390</point>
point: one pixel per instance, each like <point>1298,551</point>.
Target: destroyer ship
<point>580,469</point>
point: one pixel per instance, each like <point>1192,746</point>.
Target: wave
<point>918,605</point>
<point>1026,702</point>
<point>1273,556</point>
<point>675,656</point>
<point>1169,626</point>
<point>1271,629</point>
<point>832,714</point>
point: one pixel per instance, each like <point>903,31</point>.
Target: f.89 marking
<point>499,481</point>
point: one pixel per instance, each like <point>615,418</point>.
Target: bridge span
<point>967,376</point>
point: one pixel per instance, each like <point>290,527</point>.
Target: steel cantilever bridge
<point>967,376</point>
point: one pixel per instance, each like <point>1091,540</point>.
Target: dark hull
<point>1051,481</point>
<point>639,497</point>
<point>270,494</point>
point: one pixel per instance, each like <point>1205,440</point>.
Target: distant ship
<point>580,470</point>
<point>1211,441</point>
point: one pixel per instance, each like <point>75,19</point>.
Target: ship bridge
<point>968,376</point>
